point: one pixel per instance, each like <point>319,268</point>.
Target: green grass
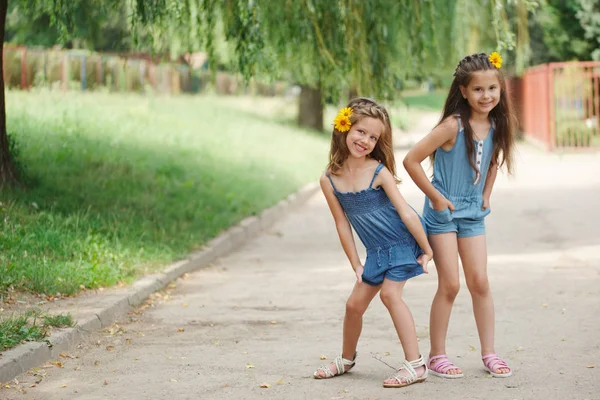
<point>29,326</point>
<point>117,186</point>
<point>58,321</point>
<point>425,101</point>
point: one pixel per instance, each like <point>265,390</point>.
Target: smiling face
<point>363,136</point>
<point>483,91</point>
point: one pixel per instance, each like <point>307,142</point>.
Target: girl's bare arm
<point>440,135</point>
<point>341,223</point>
<point>489,183</point>
<point>407,214</point>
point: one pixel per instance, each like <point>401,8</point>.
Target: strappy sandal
<point>412,376</point>
<point>493,363</point>
<point>442,367</point>
<point>340,365</point>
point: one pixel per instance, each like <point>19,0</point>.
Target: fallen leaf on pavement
<point>180,330</point>
<point>184,305</point>
<point>248,366</point>
<point>544,305</point>
<point>173,380</point>
<point>63,386</point>
<point>105,382</point>
<point>110,348</point>
<point>472,348</point>
<point>280,382</point>
<point>323,357</point>
<point>273,322</point>
<point>265,385</point>
<point>58,364</point>
<point>96,363</point>
<point>591,366</point>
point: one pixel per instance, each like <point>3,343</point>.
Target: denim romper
<point>391,250</point>
<point>454,178</point>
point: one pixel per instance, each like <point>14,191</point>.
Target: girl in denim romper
<point>473,139</point>
<point>392,232</point>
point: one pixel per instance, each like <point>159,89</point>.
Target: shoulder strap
<point>379,168</point>
<point>331,181</point>
<point>460,127</point>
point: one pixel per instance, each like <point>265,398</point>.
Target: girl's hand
<point>358,270</point>
<point>486,203</point>
<point>423,259</point>
<point>442,204</point>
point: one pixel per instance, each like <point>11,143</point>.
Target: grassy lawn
<point>424,101</point>
<point>119,185</point>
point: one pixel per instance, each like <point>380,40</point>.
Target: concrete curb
<point>33,354</point>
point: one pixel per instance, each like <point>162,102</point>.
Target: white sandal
<point>340,365</point>
<point>412,374</point>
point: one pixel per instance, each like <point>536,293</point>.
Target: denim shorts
<point>467,219</point>
<point>396,262</point>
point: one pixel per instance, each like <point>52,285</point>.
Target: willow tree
<point>323,45</point>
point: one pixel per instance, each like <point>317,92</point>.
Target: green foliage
<point>364,45</point>
<point>589,19</point>
<point>120,185</point>
<point>565,30</point>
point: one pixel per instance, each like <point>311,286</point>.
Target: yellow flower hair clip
<point>342,121</point>
<point>496,59</point>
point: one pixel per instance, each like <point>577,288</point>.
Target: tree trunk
<point>7,169</point>
<point>311,108</point>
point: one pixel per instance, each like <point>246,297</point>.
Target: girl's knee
<point>355,307</point>
<point>479,285</point>
<point>449,289</point>
<point>390,297</point>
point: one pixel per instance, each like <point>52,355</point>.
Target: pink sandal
<point>442,367</point>
<point>493,363</point>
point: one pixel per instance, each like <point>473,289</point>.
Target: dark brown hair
<point>502,115</point>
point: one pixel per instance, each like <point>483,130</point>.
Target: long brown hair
<point>502,116</point>
<point>384,150</point>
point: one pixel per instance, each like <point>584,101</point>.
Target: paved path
<point>269,311</point>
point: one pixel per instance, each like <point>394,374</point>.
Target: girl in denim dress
<point>361,190</point>
<point>473,139</point>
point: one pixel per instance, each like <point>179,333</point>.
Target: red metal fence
<point>559,104</point>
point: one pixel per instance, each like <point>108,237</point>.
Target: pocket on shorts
<point>442,216</point>
<point>483,213</point>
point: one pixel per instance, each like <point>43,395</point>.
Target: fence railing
<point>559,104</point>
<point>76,69</point>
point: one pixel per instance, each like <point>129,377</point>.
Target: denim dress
<point>391,250</point>
<point>456,180</point>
